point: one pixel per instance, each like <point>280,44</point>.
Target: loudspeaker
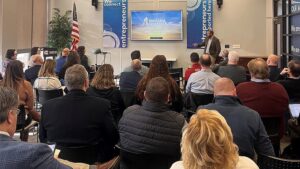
<point>220,3</point>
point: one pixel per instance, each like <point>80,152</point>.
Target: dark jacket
<point>274,73</point>
<point>151,129</point>
<point>85,62</point>
<point>16,154</point>
<point>129,80</point>
<point>113,96</point>
<point>234,72</point>
<point>292,86</point>
<point>215,47</point>
<point>77,119</point>
<point>246,125</point>
<point>32,73</point>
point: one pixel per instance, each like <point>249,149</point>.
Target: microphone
<point>97,51</point>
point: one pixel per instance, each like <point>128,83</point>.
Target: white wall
<point>240,22</point>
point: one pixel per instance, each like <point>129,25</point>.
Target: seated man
<point>130,80</point>
<point>203,80</point>
<point>77,119</point>
<point>274,71</point>
<point>268,98</point>
<point>137,55</point>
<point>32,73</point>
<point>247,128</point>
<point>195,66</point>
<point>17,154</point>
<point>232,70</point>
<point>292,83</point>
<point>152,128</point>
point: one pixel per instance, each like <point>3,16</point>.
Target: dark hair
<point>34,50</point>
<point>72,59</point>
<point>81,51</point>
<point>136,55</point>
<point>194,57</point>
<point>205,60</point>
<point>14,75</point>
<point>294,66</point>
<point>157,90</point>
<point>158,68</point>
<point>8,100</point>
<point>10,53</point>
<point>211,31</point>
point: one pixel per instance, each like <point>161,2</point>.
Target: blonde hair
<point>104,77</point>
<point>47,70</point>
<point>207,142</point>
<point>258,68</point>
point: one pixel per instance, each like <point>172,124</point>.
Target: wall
<point>238,22</point>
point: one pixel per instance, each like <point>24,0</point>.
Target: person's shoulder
<point>127,69</point>
<point>177,165</point>
<point>179,119</point>
<point>243,85</point>
<point>132,109</point>
<point>246,163</point>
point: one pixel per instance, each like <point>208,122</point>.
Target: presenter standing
<point>212,46</point>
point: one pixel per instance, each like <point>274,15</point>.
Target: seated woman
<point>11,54</point>
<point>47,79</point>
<point>159,68</point>
<point>103,85</point>
<point>207,142</point>
<point>14,78</point>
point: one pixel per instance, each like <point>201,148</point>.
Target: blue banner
<point>295,6</point>
<point>115,23</point>
<point>199,20</point>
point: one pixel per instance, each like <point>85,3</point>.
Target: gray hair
<point>8,100</point>
<point>233,56</point>
<point>75,77</point>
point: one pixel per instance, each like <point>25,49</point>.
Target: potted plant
<point>59,35</point>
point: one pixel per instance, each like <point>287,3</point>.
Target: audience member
<point>77,119</point>
<point>103,86</point>
<point>47,79</point>
<point>152,128</point>
<point>60,61</point>
<point>224,61</point>
<point>208,143</point>
<point>292,83</point>
<point>137,55</point>
<point>17,154</point>
<point>130,80</point>
<point>11,54</point>
<point>72,59</point>
<point>14,78</point>
<point>84,59</point>
<point>269,99</point>
<point>232,70</point>
<point>274,71</point>
<point>195,66</point>
<point>202,81</point>
<point>159,68</point>
<point>32,73</point>
<point>247,128</point>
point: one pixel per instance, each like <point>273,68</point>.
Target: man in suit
<point>32,73</point>
<point>77,119</point>
<point>212,45</point>
<point>16,154</point>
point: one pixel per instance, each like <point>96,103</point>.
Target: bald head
<point>136,64</point>
<point>272,60</point>
<point>205,60</point>
<point>224,87</point>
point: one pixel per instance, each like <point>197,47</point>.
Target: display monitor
<point>156,25</point>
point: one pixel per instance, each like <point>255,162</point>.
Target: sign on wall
<point>115,24</point>
<point>199,20</point>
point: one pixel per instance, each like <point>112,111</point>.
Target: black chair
<point>177,74</point>
<point>268,162</point>
<point>24,123</point>
<point>43,96</point>
<point>146,161</point>
<point>272,125</point>
<point>129,97</point>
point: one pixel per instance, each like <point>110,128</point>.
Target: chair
<point>129,97</point>
<point>146,161</point>
<point>177,74</point>
<point>272,125</point>
<point>268,162</point>
<point>24,123</point>
<point>43,96</point>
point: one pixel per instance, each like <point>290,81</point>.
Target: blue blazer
<point>18,155</point>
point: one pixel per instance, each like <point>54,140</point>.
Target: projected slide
<point>156,25</point>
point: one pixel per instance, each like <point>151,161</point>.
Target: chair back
<point>129,97</point>
<point>193,100</point>
<point>43,96</point>
<point>177,74</point>
<point>21,119</point>
<point>268,162</point>
<point>272,126</point>
<point>146,161</point>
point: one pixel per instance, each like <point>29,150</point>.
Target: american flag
<point>75,30</point>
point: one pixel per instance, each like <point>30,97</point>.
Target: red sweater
<point>269,99</point>
<point>195,68</point>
